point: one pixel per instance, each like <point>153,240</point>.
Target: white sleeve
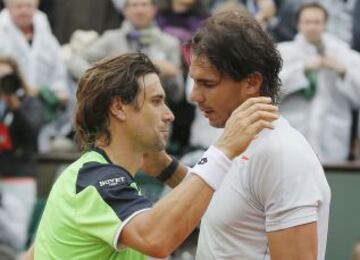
<point>286,186</point>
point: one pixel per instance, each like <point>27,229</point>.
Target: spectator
<point>321,84</point>
<point>180,18</point>
<point>27,38</point>
<point>138,33</point>
<point>20,122</point>
<point>339,21</point>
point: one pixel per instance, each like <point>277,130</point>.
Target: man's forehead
<point>200,60</point>
<point>312,12</point>
<point>149,79</point>
<point>200,66</point>
<point>152,84</point>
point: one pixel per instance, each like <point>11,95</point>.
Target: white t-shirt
<point>277,183</point>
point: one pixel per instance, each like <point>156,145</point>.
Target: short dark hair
<point>235,44</point>
<point>100,85</point>
<point>311,5</point>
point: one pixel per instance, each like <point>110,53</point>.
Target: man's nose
<point>169,116</point>
<point>196,95</point>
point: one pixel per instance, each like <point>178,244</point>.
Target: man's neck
<point>27,31</point>
<point>315,42</point>
<point>124,155</point>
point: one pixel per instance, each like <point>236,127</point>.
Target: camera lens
<point>9,84</point>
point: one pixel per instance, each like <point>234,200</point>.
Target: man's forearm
<point>155,163</point>
<point>159,231</point>
<point>177,176</point>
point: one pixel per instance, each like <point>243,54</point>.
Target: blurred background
<point>46,45</point>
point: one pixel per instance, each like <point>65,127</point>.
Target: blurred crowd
<point>46,45</point>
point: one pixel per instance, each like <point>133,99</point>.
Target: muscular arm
<point>296,243</point>
<point>159,231</point>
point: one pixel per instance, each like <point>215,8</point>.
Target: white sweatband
<point>212,167</point>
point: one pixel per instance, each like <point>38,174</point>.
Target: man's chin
<point>216,124</point>
<point>160,146</point>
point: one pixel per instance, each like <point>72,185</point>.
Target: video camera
<point>10,84</point>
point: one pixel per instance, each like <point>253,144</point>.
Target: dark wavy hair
<point>100,85</point>
<point>236,45</point>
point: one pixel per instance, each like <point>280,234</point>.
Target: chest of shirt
<point>234,204</point>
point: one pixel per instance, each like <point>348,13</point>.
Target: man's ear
<point>117,109</point>
<point>254,81</point>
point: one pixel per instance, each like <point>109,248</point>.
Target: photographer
<point>20,120</point>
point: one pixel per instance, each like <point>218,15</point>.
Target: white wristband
<point>212,167</point>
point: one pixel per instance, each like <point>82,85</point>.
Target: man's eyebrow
<point>206,80</point>
<point>156,96</point>
<point>203,78</point>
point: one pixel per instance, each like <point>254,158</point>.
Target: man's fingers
<point>260,107</point>
<point>258,126</point>
<point>245,122</point>
<point>262,115</point>
<point>255,112</point>
<point>254,104</point>
<point>252,101</point>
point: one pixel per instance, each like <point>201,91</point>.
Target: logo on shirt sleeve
<point>112,182</point>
